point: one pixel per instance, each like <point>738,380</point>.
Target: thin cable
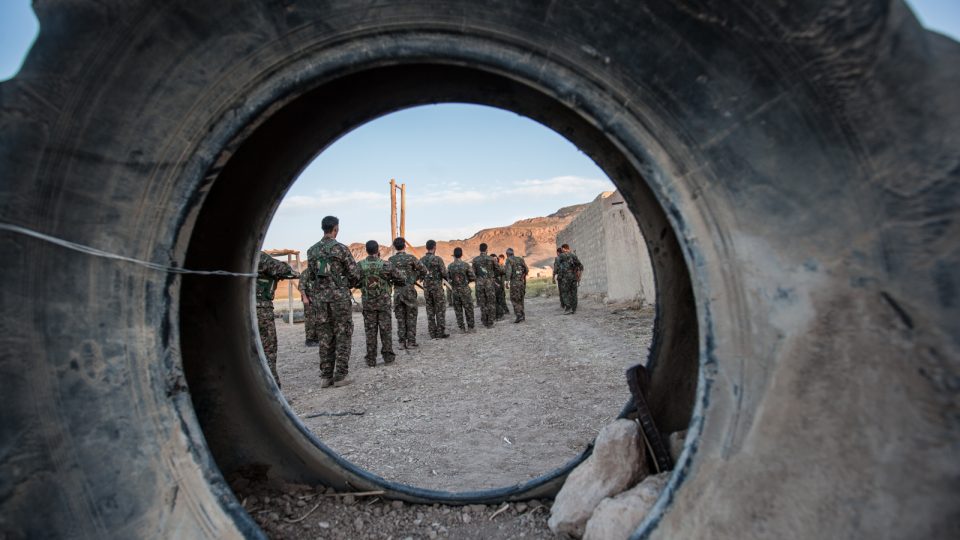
<point>107,255</point>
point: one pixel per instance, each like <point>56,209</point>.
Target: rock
<point>397,504</point>
<point>349,499</point>
<point>675,442</point>
<point>520,507</point>
<point>618,517</point>
<point>617,462</point>
<point>466,517</point>
<point>324,524</point>
<point>358,524</point>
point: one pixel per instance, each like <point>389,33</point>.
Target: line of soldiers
<point>331,272</point>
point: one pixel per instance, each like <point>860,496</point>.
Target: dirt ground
<point>488,409</point>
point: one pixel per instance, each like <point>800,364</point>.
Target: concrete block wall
<point>607,239</point>
<point>584,234</point>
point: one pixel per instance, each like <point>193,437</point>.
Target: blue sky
<point>466,167</point>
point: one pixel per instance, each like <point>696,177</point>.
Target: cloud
<point>551,187</point>
<point>561,185</point>
<point>332,199</point>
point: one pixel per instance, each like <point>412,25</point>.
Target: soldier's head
<point>330,226</point>
<point>509,252</point>
<point>373,247</point>
<point>457,253</point>
<point>501,257</point>
<point>431,245</point>
<point>483,248</point>
<point>399,243</point>
<point>565,247</point>
<point>559,251</point>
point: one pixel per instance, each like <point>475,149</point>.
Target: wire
<point>107,255</point>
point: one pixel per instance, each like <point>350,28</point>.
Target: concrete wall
<point>607,239</point>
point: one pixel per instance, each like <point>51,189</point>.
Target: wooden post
<point>393,210</point>
<point>403,210</point>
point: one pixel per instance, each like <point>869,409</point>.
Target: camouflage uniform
<point>486,270</point>
<point>405,297</point>
<point>309,310</point>
<point>269,272</point>
<point>516,271</point>
<point>377,278</point>
<point>568,281</point>
<point>556,278</point>
<point>433,295</point>
<point>460,275</point>
<point>334,272</point>
<point>501,293</point>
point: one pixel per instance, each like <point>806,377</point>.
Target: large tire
<point>794,168</point>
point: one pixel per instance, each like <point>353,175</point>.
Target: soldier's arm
<point>278,270</point>
<point>352,270</point>
<point>420,269</point>
<point>471,275</point>
<point>443,269</point>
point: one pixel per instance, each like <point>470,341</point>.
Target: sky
<point>466,167</point>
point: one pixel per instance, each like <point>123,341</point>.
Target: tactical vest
<point>435,274</point>
<point>266,288</point>
<point>409,274</point>
<point>516,269</point>
<point>321,265</point>
<point>482,269</point>
<point>371,278</point>
<point>458,275</point>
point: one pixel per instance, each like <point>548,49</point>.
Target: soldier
<point>269,272</point>
<point>405,296</point>
<point>502,310</point>
<point>516,271</point>
<point>433,292</point>
<point>570,272</point>
<point>556,272</point>
<point>309,309</point>
<point>485,268</point>
<point>460,275</point>
<point>334,272</point>
<point>377,278</point>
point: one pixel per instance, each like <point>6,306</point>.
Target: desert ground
<point>481,410</point>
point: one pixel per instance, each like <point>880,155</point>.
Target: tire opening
<point>243,419</point>
<point>483,408</point>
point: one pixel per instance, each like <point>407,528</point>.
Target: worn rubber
<point>794,167</point>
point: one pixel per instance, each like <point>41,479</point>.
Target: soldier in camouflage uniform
<point>309,310</point>
<point>405,296</point>
<point>486,269</point>
<point>433,292</point>
<point>269,272</point>
<point>377,278</point>
<point>556,272</point>
<point>460,275</point>
<point>516,271</point>
<point>502,310</point>
<point>334,272</point>
<point>569,278</point>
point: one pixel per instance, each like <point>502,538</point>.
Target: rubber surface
<point>794,167</point>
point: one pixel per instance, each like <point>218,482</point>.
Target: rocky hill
<point>533,238</point>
